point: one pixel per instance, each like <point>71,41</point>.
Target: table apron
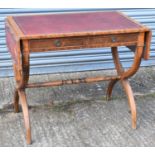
<point>40,45</point>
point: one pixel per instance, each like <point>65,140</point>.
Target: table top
<point>74,23</point>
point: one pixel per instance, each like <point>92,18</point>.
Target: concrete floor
<point>79,115</point>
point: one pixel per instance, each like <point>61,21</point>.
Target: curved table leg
<point>128,90</point>
<point>119,70</point>
<point>22,77</point>
<point>124,75</point>
<point>110,88</point>
<point>16,95</point>
<point>16,101</point>
<point>24,105</point>
<point>21,90</point>
<point>20,80</point>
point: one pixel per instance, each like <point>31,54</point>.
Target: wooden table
<point>39,33</point>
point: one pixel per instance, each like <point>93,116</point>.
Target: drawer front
<point>112,40</point>
<point>37,45</point>
<point>56,44</point>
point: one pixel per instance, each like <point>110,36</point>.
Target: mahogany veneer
<point>39,33</point>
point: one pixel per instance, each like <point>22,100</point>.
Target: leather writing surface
<point>72,23</point>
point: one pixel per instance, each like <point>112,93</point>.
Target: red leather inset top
<point>72,23</point>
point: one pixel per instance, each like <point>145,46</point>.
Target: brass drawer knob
<point>57,43</point>
<point>113,39</point>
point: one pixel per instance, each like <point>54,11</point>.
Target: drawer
<point>114,39</point>
<point>56,43</point>
<point>37,45</point>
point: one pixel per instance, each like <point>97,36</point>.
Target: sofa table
<point>48,32</point>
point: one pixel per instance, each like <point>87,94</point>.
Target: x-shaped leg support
<point>124,80</point>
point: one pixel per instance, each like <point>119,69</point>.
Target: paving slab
<point>79,115</point>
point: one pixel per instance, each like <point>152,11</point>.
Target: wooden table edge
<point>81,34</point>
<point>23,36</point>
